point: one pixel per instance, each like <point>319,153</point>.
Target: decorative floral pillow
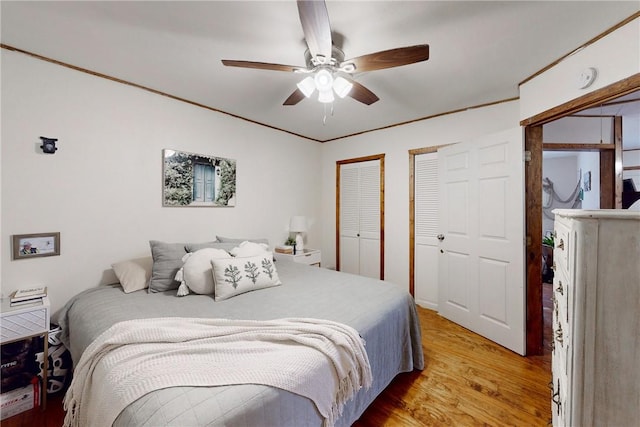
<point>195,275</point>
<point>236,276</point>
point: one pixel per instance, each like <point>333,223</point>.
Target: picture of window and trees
<point>198,180</point>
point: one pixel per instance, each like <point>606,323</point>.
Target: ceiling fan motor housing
<point>337,57</point>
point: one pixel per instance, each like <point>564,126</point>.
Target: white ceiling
<point>479,51</point>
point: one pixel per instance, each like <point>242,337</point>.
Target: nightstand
<point>27,321</point>
<point>308,256</point>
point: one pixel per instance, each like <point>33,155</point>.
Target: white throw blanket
<point>322,360</point>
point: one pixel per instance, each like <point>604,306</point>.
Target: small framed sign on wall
<point>587,181</point>
<point>35,245</point>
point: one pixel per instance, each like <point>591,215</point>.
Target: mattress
<point>383,313</point>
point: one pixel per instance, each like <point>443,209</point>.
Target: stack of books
<point>28,296</point>
<point>284,249</point>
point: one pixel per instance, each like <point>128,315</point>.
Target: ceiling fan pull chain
<point>324,117</point>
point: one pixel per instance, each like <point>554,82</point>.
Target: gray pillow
<point>193,247</point>
<point>236,240</point>
<point>167,260</point>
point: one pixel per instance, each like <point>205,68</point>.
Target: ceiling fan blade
<point>362,94</point>
<point>294,98</point>
<point>389,58</point>
<point>316,27</point>
<point>261,65</point>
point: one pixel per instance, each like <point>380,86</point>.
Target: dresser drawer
<point>23,321</point>
<point>561,249</point>
<point>18,325</point>
<point>563,293</point>
<point>308,256</point>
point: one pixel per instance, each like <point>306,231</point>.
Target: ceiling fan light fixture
<point>307,86</point>
<point>325,96</point>
<point>323,80</point>
<point>342,86</point>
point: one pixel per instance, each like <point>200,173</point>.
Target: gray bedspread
<point>383,313</point>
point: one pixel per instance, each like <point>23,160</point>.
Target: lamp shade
<point>323,80</point>
<point>342,86</point>
<point>325,96</point>
<point>298,224</point>
<point>307,86</point>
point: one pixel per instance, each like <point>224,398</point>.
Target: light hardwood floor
<point>467,381</point>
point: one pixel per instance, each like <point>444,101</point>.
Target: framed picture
<point>587,181</point>
<point>197,180</point>
<point>35,245</point>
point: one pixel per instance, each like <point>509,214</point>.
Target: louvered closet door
<point>426,229</point>
<point>369,215</point>
<point>349,219</point>
<point>360,218</point>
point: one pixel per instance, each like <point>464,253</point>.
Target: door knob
<point>440,237</point>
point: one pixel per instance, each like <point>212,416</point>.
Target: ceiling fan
<point>326,69</point>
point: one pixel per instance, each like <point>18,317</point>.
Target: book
<point>26,301</point>
<point>284,249</point>
<point>28,294</point>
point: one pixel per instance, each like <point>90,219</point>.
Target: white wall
<point>616,57</point>
<point>562,170</point>
<point>395,143</point>
<point>630,159</point>
<point>102,190</point>
<point>579,130</point>
<point>590,162</point>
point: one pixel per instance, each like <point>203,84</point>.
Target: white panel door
<point>360,218</point>
<point>426,229</point>
<point>481,269</point>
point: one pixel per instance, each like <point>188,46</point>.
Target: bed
<point>382,313</point>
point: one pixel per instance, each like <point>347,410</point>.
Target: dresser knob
<point>559,289</point>
<point>556,397</point>
<point>559,334</point>
<point>561,245</point>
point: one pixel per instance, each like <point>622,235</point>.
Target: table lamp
<point>298,224</point>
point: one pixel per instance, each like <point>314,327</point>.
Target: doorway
<point>534,146</point>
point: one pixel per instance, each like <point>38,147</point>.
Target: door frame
<point>339,163</point>
<point>533,194</point>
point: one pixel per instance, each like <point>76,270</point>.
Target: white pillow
<point>133,274</point>
<point>239,275</point>
<point>195,275</point>
<point>247,249</point>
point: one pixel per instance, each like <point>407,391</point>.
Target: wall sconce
<point>48,145</point>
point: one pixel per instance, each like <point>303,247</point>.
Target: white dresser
<point>596,318</point>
